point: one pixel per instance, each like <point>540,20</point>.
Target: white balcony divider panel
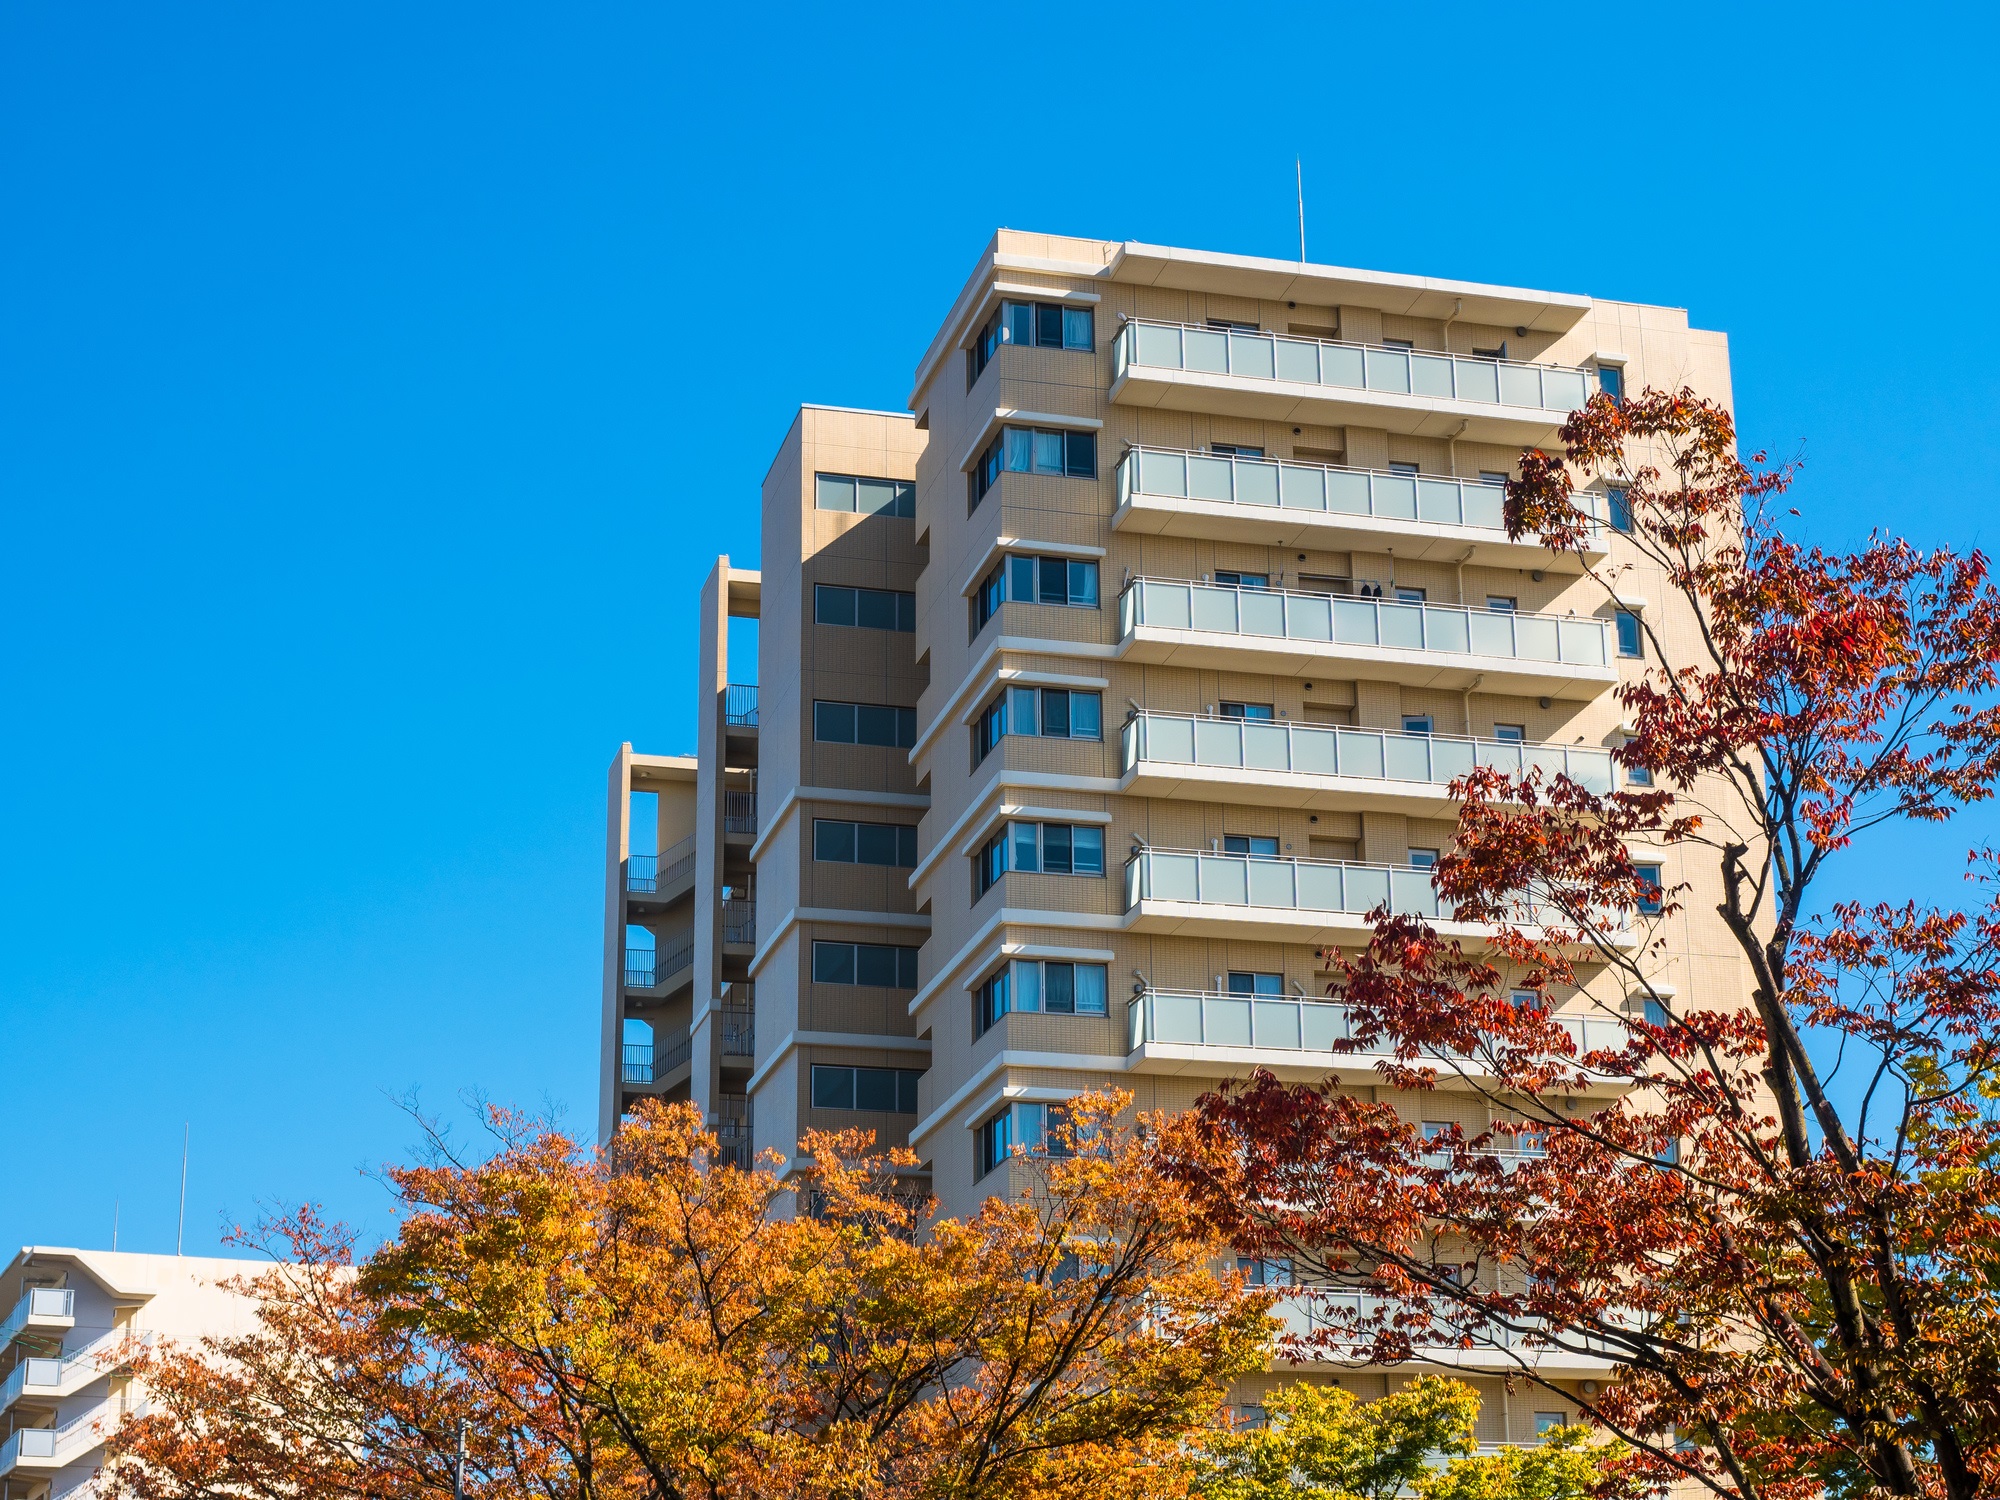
<point>1143,343</point>
<point>1281,746</point>
<point>1177,604</point>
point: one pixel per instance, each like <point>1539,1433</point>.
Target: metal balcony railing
<point>739,812</point>
<point>37,1302</point>
<point>1222,609</point>
<point>636,1063</point>
<point>1291,1023</point>
<point>739,704</point>
<point>738,1032</point>
<point>739,920</point>
<point>1323,489</point>
<point>647,970</point>
<point>647,873</point>
<point>732,1117</point>
<point>1333,363</point>
<point>1287,747</point>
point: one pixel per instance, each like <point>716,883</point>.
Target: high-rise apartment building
<point>72,1322</point>
<point>1119,676</point>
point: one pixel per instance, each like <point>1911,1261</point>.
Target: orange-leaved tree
<point>1764,1201</point>
<point>647,1322</point>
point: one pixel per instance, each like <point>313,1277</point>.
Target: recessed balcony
<point>1237,372</point>
<point>1283,763</point>
<point>1179,622</point>
<point>661,879</point>
<point>1204,893</point>
<point>1207,1033</point>
<point>660,969</point>
<point>1224,497</point>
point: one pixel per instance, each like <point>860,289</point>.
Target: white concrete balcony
<point>42,1310</point>
<point>1180,622</point>
<point>48,1380</point>
<point>1331,1311</point>
<point>1173,492</point>
<point>1283,763</point>
<point>1209,1034</point>
<point>36,1452</point>
<point>1205,893</point>
<point>1278,378</point>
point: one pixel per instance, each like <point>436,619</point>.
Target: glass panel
<point>875,496</point>
<point>1563,390</point>
<point>1367,887</point>
<point>1347,492</point>
<point>1169,740</point>
<point>1177,1018</point>
<point>1162,474</point>
<point>1493,635</point>
<point>1270,882</point>
<point>1520,385</point>
<point>1445,630</point>
<point>1256,484</point>
<point>1224,880</point>
<point>1478,380</point>
<point>1354,621</point>
<point>1321,1026</point>
<point>1214,609</point>
<point>1261,613</point>
<point>1340,364</point>
<point>1218,743</point>
<point>1252,356</point>
<point>1437,500</point>
<point>1582,642</point>
<point>1165,604</point>
<point>1548,759</point>
<point>833,492</point>
<point>1360,752</point>
<point>1500,755</point>
<point>1485,505</point>
<point>1388,370</point>
<point>1304,489</point>
<point>1173,877</point>
<point>1228,1023</point>
<point>1277,1024</point>
<point>1450,759</point>
<point>1027,986</point>
<point>1430,375</point>
<point>1308,617</point>
<point>1322,887</point>
<point>1208,478</point>
<point>1267,747</point>
<point>1078,328</point>
<point>1534,638</point>
<point>1408,757</point>
<point>1313,752</point>
<point>1298,360</point>
<point>1412,892</point>
<point>1402,625</point>
<point>1592,768</point>
<point>1158,346</point>
<point>1395,495</point>
<point>1205,350</point>
<point>1048,452</point>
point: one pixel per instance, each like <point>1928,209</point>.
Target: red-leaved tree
<point>1771,1211</point>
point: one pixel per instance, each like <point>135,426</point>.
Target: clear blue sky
<point>378,382</point>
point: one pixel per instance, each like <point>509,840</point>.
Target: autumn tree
<point>649,1323</point>
<point>1772,1215</point>
<point>1319,1442</point>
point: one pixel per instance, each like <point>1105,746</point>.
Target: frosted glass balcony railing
<point>1155,739</point>
<point>1326,885</point>
<point>1143,344</point>
<point>1176,604</point>
<point>37,1302</point>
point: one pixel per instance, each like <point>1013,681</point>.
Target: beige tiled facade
<point>1336,379</point>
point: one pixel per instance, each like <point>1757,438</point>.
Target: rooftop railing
<point>1224,609</point>
<point>1324,489</point>
<point>1285,746</point>
<point>1334,363</point>
<point>739,704</point>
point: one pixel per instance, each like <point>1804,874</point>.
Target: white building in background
<point>71,1322</point>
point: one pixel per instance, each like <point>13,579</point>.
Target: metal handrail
<point>1295,614</point>
<point>45,1373</point>
<point>739,704</point>
<point>739,1033</point>
<point>1290,746</point>
<point>739,920</point>
<point>37,1302</point>
<point>1385,368</point>
<point>1331,489</point>
<point>52,1442</point>
<point>739,812</point>
<point>646,873</point>
<point>666,962</point>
